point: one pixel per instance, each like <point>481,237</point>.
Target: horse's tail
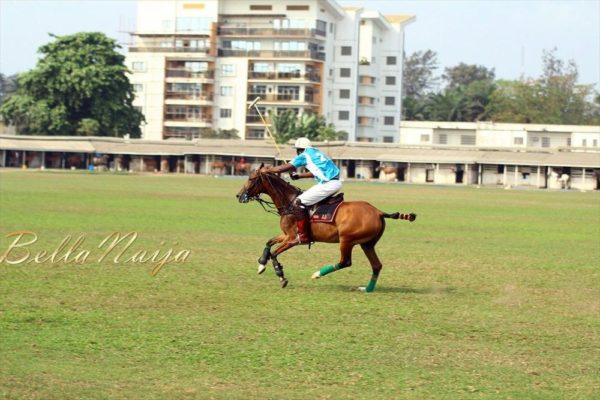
<point>409,217</point>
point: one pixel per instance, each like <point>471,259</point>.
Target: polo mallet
<point>254,104</point>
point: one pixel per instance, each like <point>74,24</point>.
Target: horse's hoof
<point>316,275</point>
<point>284,283</point>
<point>261,268</point>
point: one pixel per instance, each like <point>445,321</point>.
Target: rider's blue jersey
<point>316,162</point>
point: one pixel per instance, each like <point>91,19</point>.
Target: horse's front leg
<point>288,244</point>
<point>266,254</point>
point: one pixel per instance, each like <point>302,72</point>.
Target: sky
<point>507,35</point>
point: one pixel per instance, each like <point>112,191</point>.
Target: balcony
<point>312,77</point>
<point>313,55</point>
<point>270,32</point>
<point>186,73</point>
<point>281,98</point>
<point>148,49</point>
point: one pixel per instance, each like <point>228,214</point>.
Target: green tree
<point>553,98</point>
<point>8,85</point>
<point>78,87</point>
<point>465,74</point>
<point>288,126</point>
<point>418,82</point>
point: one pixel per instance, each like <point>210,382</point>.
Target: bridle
<point>276,193</point>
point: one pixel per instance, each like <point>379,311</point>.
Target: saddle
<point>325,210</point>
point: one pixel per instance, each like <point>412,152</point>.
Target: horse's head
<point>253,186</point>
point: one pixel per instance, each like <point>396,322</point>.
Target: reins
<point>273,191</point>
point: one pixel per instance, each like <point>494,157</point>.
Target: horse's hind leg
<point>369,249</point>
<point>345,261</point>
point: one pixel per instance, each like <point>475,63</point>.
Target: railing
<point>188,118</point>
<point>254,119</point>
<point>189,96</point>
<point>280,97</point>
<point>272,54</point>
<point>184,73</point>
<point>284,76</point>
<point>269,32</point>
<point>151,49</point>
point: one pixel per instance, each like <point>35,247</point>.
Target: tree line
<point>471,93</point>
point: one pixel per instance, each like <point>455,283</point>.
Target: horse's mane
<point>282,182</point>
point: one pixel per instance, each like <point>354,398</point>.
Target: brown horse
<point>221,166</point>
<point>242,168</point>
<point>355,223</point>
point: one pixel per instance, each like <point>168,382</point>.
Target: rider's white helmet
<point>302,143</point>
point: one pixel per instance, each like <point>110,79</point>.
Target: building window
<point>225,112</point>
<point>138,66</point>
<point>226,91</point>
<point>424,138</point>
<point>192,24</point>
<point>346,50</point>
<point>344,93</point>
<point>584,142</point>
<point>343,115</point>
<point>297,8</point>
<point>443,138</point>
<point>345,72</point>
<point>595,143</point>
<point>390,80</point>
<point>388,120</point>
<point>260,7</point>
<point>467,140</point>
<point>390,60</point>
<point>518,141</point>
<point>138,87</point>
<point>228,69</point>
<point>545,142</point>
<point>388,139</point>
<point>255,134</point>
<point>390,101</point>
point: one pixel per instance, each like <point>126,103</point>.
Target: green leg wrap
<point>372,282</point>
<point>328,269</point>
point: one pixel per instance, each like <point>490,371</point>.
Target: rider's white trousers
<point>319,192</point>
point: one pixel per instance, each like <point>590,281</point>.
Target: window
<point>595,143</point>
<point>226,91</point>
<point>138,87</point>
<point>388,139</point>
<point>518,141</point>
<point>390,101</point>
<point>260,7</point>
<point>388,120</point>
<point>443,138</point>
<point>545,142</point>
<point>584,142</point>
<point>390,60</point>
<point>297,8</point>
<point>225,112</point>
<point>343,115</point>
<point>390,80</point>
<point>345,72</point>
<point>255,134</point>
<point>138,66</point>
<point>346,50</point>
<point>424,138</point>
<point>192,24</point>
<point>344,93</point>
<point>228,69</point>
<point>467,140</point>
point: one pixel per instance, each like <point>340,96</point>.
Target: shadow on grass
<point>399,289</point>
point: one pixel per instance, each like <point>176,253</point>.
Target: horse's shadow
<point>399,289</point>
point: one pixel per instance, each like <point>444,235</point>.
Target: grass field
<point>490,294</point>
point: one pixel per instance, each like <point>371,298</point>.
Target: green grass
<point>489,294</point>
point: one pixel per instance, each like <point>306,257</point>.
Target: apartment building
<point>197,65</point>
